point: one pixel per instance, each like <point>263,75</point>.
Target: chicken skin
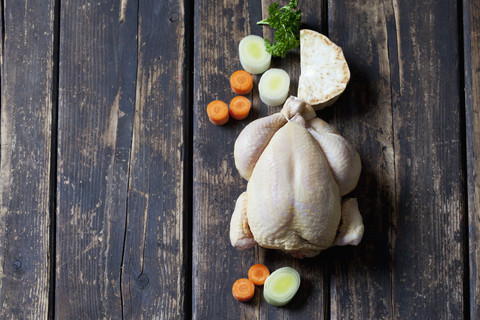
<point>298,168</point>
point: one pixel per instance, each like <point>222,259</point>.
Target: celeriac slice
<point>273,87</point>
<point>253,55</point>
<point>324,71</point>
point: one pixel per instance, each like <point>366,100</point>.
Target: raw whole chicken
<point>298,168</point>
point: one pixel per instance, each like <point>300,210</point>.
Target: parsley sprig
<point>286,20</point>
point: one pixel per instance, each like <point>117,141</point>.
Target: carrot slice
<point>258,273</point>
<point>243,289</point>
<point>239,107</point>
<point>241,82</point>
<point>217,112</point>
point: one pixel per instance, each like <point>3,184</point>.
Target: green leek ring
<point>281,286</point>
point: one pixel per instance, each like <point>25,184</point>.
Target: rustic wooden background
<point>116,191</point>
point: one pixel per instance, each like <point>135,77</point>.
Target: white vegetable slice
<point>273,87</point>
<point>281,286</point>
<point>253,55</point>
<point>324,71</point>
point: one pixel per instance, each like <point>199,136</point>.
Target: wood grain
<point>138,164</point>
<point>428,243</point>
<point>27,79</point>
<point>361,279</point>
<point>408,130</point>
<point>216,184</point>
<point>154,266</point>
<point>471,34</point>
<point>98,66</point>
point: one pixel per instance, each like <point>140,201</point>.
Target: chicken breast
<point>293,198</point>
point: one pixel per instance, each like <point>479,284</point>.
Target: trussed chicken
<point>297,167</point>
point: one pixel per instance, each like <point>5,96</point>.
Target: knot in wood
<point>17,265</point>
<point>142,281</point>
<point>173,17</point>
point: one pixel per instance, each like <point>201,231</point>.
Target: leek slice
<point>253,55</point>
<point>273,87</point>
<point>281,286</point>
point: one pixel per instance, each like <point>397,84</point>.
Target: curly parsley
<point>286,20</point>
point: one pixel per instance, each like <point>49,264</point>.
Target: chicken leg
<point>240,235</point>
<point>351,227</point>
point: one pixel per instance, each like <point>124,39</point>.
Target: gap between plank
<point>189,8</point>
<point>2,9</point>
<point>189,24</point>
<point>463,14</point>
<point>324,26</point>
<point>53,156</point>
<point>3,28</point>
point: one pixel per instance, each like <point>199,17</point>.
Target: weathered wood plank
<point>311,301</point>
<point>216,183</point>
<point>98,65</point>
<point>154,264</point>
<point>361,280</point>
<point>27,97</point>
<point>426,224</point>
<point>428,241</point>
<point>471,34</point>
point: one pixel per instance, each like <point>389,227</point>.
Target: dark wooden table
<point>116,192</point>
